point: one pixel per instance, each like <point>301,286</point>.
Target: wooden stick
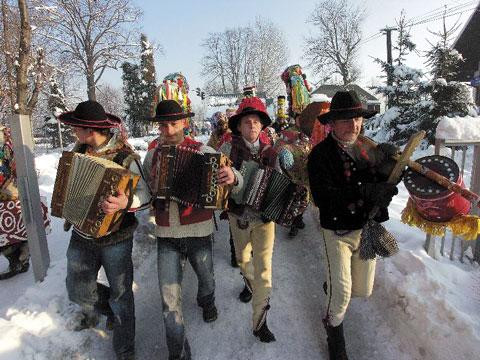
<point>436,177</point>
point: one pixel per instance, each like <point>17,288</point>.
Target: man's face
<point>172,131</point>
<point>250,127</point>
<point>83,135</point>
<point>347,129</point>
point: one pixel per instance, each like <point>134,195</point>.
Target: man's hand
<point>225,176</point>
<point>115,203</point>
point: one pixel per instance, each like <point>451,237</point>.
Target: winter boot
<point>233,258</point>
<point>88,320</point>
<point>336,342</point>
<point>18,262</point>
<point>207,303</point>
<point>293,231</point>
<point>246,295</point>
<point>263,332</point>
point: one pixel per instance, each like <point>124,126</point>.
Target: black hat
<point>170,110</point>
<point>249,105</point>
<point>90,114</point>
<point>345,105</point>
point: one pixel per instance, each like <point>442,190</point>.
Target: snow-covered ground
<point>421,308</point>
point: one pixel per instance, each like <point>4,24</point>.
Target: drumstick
<point>434,176</point>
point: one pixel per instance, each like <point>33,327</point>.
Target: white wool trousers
<point>347,275</point>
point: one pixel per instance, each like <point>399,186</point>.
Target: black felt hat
<point>90,114</point>
<point>170,110</point>
<point>345,105</point>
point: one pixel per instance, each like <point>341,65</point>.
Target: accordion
<point>189,177</point>
<point>82,184</point>
<point>271,193</point>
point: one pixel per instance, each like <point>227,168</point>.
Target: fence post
<point>29,194</point>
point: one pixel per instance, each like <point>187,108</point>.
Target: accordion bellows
<point>82,184</point>
<point>271,193</point>
<point>189,177</point>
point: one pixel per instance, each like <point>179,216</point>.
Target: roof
<point>468,44</point>
<point>330,90</point>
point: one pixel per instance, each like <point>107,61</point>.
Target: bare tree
<point>111,99</point>
<point>334,47</point>
<point>95,35</point>
<point>252,55</point>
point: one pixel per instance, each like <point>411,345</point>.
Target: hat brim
<point>68,118</point>
<point>234,120</point>
<point>171,117</point>
<point>333,115</point>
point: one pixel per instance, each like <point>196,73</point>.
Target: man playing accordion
<point>183,231</point>
<point>94,130</point>
<point>250,232</point>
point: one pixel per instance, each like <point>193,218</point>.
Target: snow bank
<point>465,128</point>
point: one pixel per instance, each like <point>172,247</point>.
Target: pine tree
<point>133,99</point>
<point>449,97</point>
<point>407,94</point>
<point>57,105</point>
<point>139,86</point>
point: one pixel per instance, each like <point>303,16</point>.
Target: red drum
<point>12,229</point>
<point>433,201</point>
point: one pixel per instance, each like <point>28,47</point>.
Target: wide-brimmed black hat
<point>345,105</point>
<point>249,105</point>
<point>170,110</point>
<point>90,114</point>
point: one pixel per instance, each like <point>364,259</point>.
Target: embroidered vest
<point>188,214</point>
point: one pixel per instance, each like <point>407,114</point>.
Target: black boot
<point>263,333</point>
<point>16,265</point>
<point>209,310</point>
<point>88,320</point>
<point>293,231</point>
<point>246,295</point>
<point>336,342</point>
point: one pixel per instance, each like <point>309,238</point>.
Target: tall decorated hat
<point>175,87</point>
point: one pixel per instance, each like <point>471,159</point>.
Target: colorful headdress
<point>281,110</point>
<point>7,161</point>
<point>175,87</point>
<point>249,91</point>
<point>298,89</point>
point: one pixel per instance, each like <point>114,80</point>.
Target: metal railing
<point>459,146</point>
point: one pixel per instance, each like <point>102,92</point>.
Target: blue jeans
<point>83,264</point>
<point>172,256</point>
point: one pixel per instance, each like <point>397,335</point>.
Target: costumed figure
<point>102,135</point>
<point>281,120</point>
<point>348,180</point>
<point>183,232</point>
<point>221,128</point>
<point>13,235</point>
<point>253,237</point>
<point>293,145</point>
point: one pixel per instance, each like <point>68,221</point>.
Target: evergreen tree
<point>57,106</point>
<point>139,87</point>
<point>133,99</point>
<point>449,97</point>
<point>407,94</point>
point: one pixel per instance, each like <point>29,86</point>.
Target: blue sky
<point>181,26</point>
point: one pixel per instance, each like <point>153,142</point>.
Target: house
<point>369,101</point>
<point>468,44</point>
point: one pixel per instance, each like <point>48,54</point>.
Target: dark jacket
<point>340,197</point>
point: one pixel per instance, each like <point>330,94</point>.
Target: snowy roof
<point>330,90</point>
<point>458,128</point>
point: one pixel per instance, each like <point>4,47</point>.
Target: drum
<point>433,201</point>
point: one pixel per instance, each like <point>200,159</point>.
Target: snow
<point>320,98</point>
<point>421,308</point>
<point>465,128</point>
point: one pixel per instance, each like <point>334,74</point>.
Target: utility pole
<point>388,32</point>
